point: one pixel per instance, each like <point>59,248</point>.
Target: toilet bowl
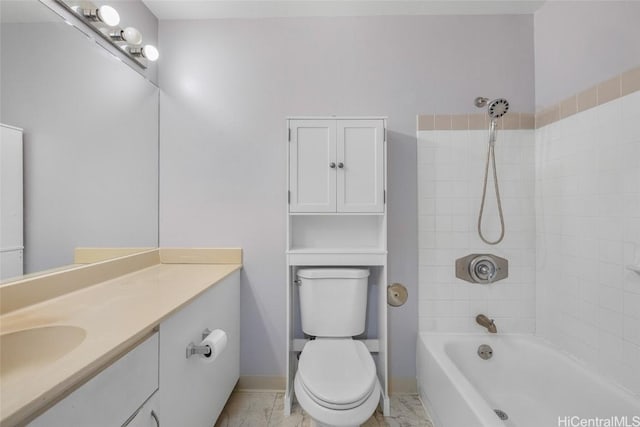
<point>336,383</point>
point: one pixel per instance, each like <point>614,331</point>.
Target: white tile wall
<point>450,172</point>
<point>588,229</point>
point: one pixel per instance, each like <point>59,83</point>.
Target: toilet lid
<point>337,371</point>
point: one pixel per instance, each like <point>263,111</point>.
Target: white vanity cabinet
<point>111,397</point>
<point>193,392</point>
<point>336,165</point>
<point>155,383</point>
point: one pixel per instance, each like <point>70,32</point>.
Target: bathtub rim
<point>472,398</point>
<point>468,391</point>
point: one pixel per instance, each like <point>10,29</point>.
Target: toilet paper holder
<point>193,349</point>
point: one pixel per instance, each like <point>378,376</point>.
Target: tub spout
<point>483,320</point>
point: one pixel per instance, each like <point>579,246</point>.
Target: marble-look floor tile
<point>247,409</point>
<point>298,417</point>
<point>266,409</point>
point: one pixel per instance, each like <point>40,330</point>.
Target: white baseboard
<point>261,383</point>
<point>403,385</point>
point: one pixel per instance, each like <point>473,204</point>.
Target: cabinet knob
<point>340,165</point>
<point>332,165</point>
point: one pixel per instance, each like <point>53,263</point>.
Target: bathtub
<point>533,383</point>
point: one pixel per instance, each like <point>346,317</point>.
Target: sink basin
<point>32,348</point>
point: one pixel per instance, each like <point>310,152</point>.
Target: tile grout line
<point>273,408</point>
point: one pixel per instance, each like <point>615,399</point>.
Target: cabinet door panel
<point>312,179</point>
<point>360,182</point>
<point>192,393</point>
<point>11,204</point>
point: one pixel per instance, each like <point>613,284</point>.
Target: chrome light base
<point>86,11</point>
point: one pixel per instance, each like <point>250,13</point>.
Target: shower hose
<point>491,156</point>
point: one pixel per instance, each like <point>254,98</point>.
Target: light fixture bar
<point>104,22</point>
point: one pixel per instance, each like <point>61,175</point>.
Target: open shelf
<point>337,214</point>
<point>337,251</point>
<point>337,233</point>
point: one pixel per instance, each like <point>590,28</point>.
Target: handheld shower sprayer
<point>496,109</point>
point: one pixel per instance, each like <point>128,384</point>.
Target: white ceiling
<point>217,9</point>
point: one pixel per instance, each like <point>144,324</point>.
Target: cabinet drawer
<point>109,398</point>
<point>147,416</point>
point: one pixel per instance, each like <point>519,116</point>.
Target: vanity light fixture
<point>130,35</point>
<point>104,21</point>
<point>149,51</point>
<point>105,13</point>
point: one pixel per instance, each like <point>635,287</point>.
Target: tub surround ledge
<point>117,303</point>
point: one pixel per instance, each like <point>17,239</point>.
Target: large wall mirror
<point>90,138</point>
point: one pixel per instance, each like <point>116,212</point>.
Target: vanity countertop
<point>116,314</point>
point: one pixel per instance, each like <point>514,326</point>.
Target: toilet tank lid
<point>333,273</point>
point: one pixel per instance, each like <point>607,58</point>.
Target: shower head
<point>498,108</point>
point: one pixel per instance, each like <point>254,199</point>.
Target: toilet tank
<point>333,301</point>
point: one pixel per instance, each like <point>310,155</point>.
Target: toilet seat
<point>336,382</point>
<point>330,405</point>
<point>337,373</point>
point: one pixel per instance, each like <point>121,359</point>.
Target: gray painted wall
<point>227,87</point>
<point>90,142</point>
<point>581,43</point>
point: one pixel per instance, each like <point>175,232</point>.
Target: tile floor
<point>262,408</point>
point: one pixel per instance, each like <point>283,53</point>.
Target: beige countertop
<point>115,314</point>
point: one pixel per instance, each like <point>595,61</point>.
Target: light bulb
<point>108,15</point>
<point>131,36</point>
<point>150,52</point>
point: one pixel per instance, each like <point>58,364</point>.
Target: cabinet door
<point>11,190</point>
<point>11,263</point>
<point>312,166</point>
<point>192,392</point>
<point>360,151</point>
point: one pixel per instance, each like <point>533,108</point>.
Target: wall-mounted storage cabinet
<point>336,165</point>
<point>336,217</point>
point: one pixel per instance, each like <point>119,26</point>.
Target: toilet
<point>336,382</point>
